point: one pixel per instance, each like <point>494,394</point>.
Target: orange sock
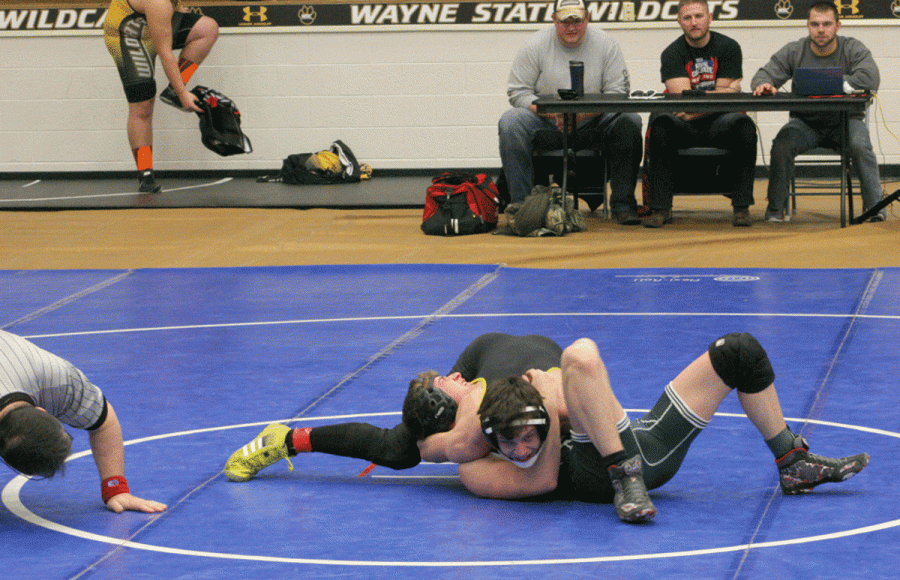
<point>143,157</point>
<point>187,69</point>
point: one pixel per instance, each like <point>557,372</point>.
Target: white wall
<point>400,100</point>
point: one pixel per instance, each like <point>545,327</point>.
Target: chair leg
<point>606,212</point>
<point>849,195</point>
<point>791,208</point>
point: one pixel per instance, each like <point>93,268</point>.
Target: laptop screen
<point>812,82</point>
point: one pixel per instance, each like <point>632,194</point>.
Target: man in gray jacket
<point>804,131</point>
<point>540,68</point>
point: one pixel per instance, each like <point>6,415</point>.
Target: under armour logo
<point>852,5</point>
<point>249,14</point>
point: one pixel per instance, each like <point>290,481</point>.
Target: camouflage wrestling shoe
<point>800,470</point>
<point>632,503</point>
<point>268,448</point>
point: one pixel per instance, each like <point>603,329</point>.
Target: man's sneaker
<point>658,218</point>
<point>267,449</point>
<point>632,503</point>
<point>800,470</point>
<point>741,218</point>
<point>777,215</point>
<point>148,184</point>
<point>169,97</point>
<point>878,217</point>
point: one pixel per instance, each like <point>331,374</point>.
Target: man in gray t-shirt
<point>39,392</point>
<point>823,48</point>
<point>540,68</point>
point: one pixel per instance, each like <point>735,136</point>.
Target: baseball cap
<point>569,8</point>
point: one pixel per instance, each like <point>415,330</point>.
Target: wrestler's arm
<point>109,455</point>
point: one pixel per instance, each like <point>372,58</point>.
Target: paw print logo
<point>783,9</point>
<point>307,15</point>
<point>895,8</point>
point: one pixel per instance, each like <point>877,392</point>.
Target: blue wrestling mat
<point>198,361</point>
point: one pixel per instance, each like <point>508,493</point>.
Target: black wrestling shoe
<point>632,503</point>
<point>169,97</point>
<point>148,184</point>
<point>800,470</point>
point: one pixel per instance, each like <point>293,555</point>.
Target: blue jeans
<point>621,146</point>
<point>797,136</point>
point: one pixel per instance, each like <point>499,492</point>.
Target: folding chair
<point>816,164</point>
<point>587,166</point>
<point>821,169</point>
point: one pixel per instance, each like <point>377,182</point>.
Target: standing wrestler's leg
<point>200,40</point>
<point>196,47</point>
<point>596,414</point>
<point>140,137</point>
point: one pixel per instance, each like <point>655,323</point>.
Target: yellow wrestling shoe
<point>268,448</point>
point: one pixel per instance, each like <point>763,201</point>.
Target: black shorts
<point>661,437</point>
<point>133,51</point>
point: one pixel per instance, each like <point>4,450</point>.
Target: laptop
<point>815,82</point>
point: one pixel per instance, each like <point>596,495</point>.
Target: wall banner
<point>463,15</point>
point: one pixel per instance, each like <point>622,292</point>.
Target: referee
<point>40,391</point>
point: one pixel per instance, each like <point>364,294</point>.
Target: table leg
<point>568,125</point>
<point>845,138</point>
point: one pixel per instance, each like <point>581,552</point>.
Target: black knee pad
<point>741,362</point>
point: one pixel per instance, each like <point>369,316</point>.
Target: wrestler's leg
<point>592,405</point>
<point>140,138</point>
<point>594,415</point>
<point>395,448</point>
<point>738,362</point>
<point>195,37</point>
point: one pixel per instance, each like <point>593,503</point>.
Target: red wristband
<point>113,486</point>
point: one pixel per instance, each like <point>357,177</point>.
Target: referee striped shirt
<point>30,373</point>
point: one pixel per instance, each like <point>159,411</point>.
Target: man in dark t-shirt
<point>700,60</point>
